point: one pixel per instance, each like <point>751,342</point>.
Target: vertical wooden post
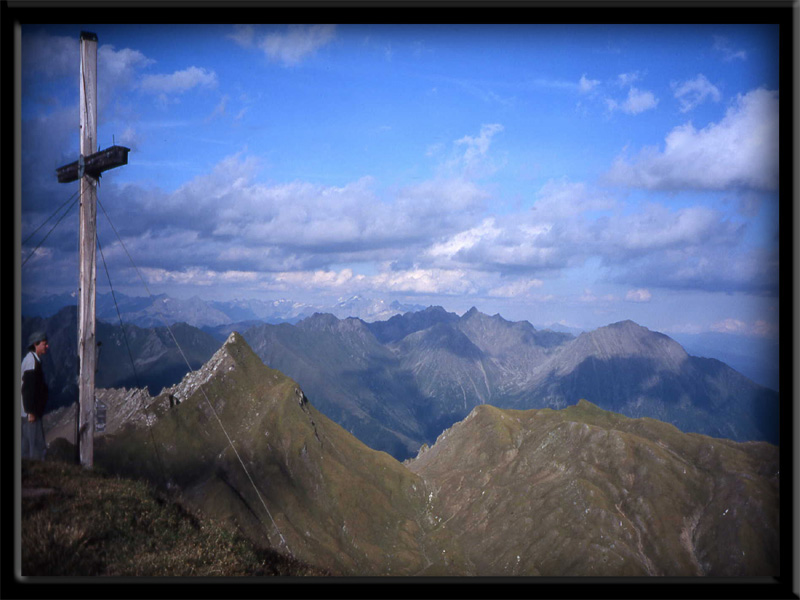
<point>88,169</point>
<point>87,346</point>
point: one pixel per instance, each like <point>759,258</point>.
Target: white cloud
<point>739,151</point>
<point>448,199</point>
<point>414,280</point>
<point>478,146</point>
<point>657,228</point>
<point>289,47</point>
<point>764,328</point>
<point>692,247</point>
<point>504,245</point>
<point>52,58</point>
<point>219,110</point>
<point>117,74</point>
<point>119,66</point>
<point>637,102</point>
<point>556,232</point>
<point>297,43</point>
<point>694,92</point>
<point>179,81</point>
<point>426,281</point>
<point>589,297</point>
<point>640,295</point>
<point>730,326</point>
<point>201,276</point>
<point>515,289</point>
<point>319,279</point>
<point>248,225</point>
<point>714,267</point>
<point>130,138</point>
<point>518,253</point>
<point>561,199</point>
<point>475,162</point>
<point>627,79</point>
<point>465,240</point>
<point>724,46</point>
<point>431,238</point>
<point>244,35</point>
<point>587,85</point>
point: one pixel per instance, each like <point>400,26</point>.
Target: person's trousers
<point>33,443</point>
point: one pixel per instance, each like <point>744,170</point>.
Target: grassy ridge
<point>82,522</point>
<point>586,492</point>
<point>334,502</point>
<point>574,492</point>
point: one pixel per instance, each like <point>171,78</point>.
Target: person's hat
<point>36,337</point>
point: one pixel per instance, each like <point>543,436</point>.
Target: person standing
<point>34,398</point>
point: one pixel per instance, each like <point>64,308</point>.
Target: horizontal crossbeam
<point>94,164</point>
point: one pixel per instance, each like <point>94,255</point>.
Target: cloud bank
<point>740,151</point>
<point>441,234</point>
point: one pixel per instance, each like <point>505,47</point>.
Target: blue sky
<point>559,174</point>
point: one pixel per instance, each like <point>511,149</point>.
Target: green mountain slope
<point>316,491</point>
<point>583,491</point>
<point>571,492</point>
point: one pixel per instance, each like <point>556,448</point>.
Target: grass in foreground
<point>78,522</point>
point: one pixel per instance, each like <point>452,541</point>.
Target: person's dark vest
<point>34,390</point>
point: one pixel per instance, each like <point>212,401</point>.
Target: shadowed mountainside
<point>397,384</point>
<point>629,369</point>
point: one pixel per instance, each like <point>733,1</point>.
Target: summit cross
<point>88,169</point>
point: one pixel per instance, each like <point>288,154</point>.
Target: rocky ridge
<point>243,443</point>
<point>397,384</point>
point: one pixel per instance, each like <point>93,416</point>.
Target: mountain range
<point>755,357</point>
<point>538,492</point>
<point>397,384</point>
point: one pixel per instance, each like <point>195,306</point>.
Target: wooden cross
<point>94,164</point>
<point>88,169</point>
